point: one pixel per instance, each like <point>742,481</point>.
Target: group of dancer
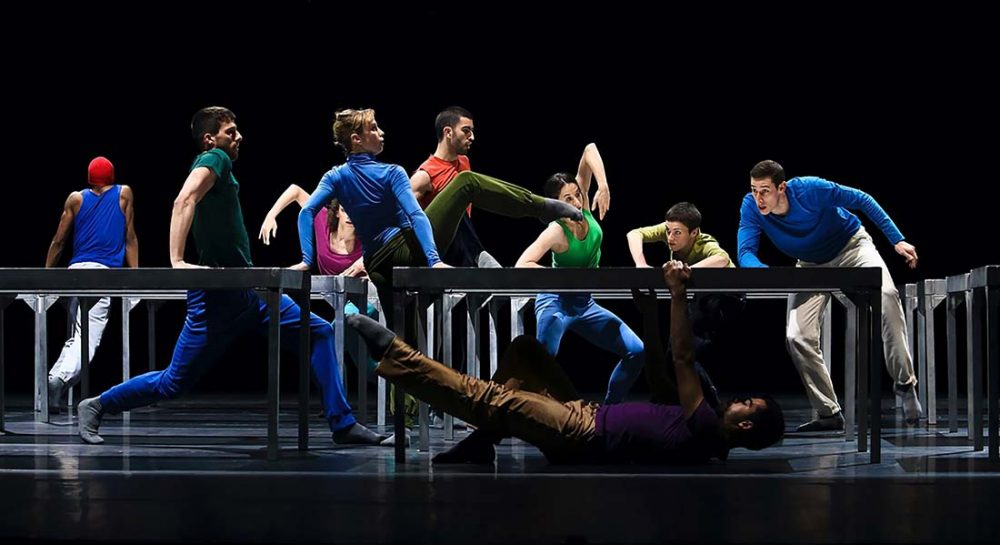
<point>366,217</point>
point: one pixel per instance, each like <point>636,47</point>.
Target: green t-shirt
<point>581,253</point>
<point>219,232</point>
<point>704,246</point>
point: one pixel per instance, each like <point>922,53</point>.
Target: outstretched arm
<point>689,390</point>
<point>552,239</point>
<point>855,199</point>
<point>637,237</point>
<point>197,184</point>
<point>131,241</point>
<point>70,208</point>
<point>748,237</point>
<point>269,228</point>
<point>592,167</point>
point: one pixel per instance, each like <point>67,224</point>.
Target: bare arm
<point>131,241</point>
<point>197,184</point>
<point>552,239</point>
<point>592,167</point>
<point>420,183</point>
<point>70,208</point>
<point>635,248</point>
<point>269,228</point>
<point>689,391</point>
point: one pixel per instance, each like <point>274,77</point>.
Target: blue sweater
<point>377,197</point>
<point>817,225</point>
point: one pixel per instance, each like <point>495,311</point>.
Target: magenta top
<point>328,261</point>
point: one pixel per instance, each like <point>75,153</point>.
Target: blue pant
<point>214,320</point>
<point>352,344</point>
<point>555,313</point>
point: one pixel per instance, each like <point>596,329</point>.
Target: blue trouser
<point>352,344</point>
<point>214,320</point>
<point>556,313</point>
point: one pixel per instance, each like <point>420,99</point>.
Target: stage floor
<point>195,470</point>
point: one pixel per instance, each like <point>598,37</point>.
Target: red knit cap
<point>100,172</point>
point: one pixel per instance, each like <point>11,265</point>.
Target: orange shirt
<point>442,173</point>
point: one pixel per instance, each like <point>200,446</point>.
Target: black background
<point>681,103</point>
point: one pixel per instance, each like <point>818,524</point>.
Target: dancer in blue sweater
<point>809,219</point>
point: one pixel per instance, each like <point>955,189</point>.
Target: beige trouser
<point>805,321</point>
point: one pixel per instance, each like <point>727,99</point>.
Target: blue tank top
<point>99,229</point>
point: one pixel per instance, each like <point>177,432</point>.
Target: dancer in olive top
<point>682,233</point>
<point>578,244</point>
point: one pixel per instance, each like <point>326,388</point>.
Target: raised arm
<point>689,390</point>
<point>269,228</point>
<point>197,184</point>
<point>552,239</point>
<point>131,241</point>
<point>70,208</point>
<point>420,184</point>
<point>637,237</point>
<point>592,167</point>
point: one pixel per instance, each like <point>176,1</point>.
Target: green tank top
<point>581,253</point>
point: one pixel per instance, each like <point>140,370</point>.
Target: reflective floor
<point>196,470</point>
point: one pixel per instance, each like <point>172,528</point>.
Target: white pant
<point>67,367</point>
<point>805,317</point>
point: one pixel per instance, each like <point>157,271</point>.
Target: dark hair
<point>449,117</point>
<point>768,169</point>
<point>768,426</point>
<point>554,184</point>
<point>209,120</point>
<point>332,216</point>
<point>685,213</point>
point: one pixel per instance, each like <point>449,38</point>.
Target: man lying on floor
<point>531,399</point>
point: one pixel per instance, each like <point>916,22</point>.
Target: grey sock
<point>554,209</point>
<point>91,412</point>
<point>377,338</point>
<point>486,261</point>
<point>357,434</point>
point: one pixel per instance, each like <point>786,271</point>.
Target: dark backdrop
<point>681,102</point>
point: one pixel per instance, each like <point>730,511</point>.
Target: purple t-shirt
<point>328,261</point>
<point>658,434</point>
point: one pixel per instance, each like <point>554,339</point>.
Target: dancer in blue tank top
<point>100,219</point>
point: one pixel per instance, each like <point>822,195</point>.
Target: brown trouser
<point>530,398</point>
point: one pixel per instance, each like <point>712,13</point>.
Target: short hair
<point>209,120</point>
<point>685,213</point>
<point>768,169</point>
<point>449,117</point>
<point>768,426</point>
<point>554,184</point>
<point>350,121</point>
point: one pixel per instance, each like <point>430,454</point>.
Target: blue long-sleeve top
<point>816,227</point>
<point>377,197</point>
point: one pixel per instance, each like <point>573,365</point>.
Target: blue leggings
<point>214,320</point>
<point>556,313</point>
